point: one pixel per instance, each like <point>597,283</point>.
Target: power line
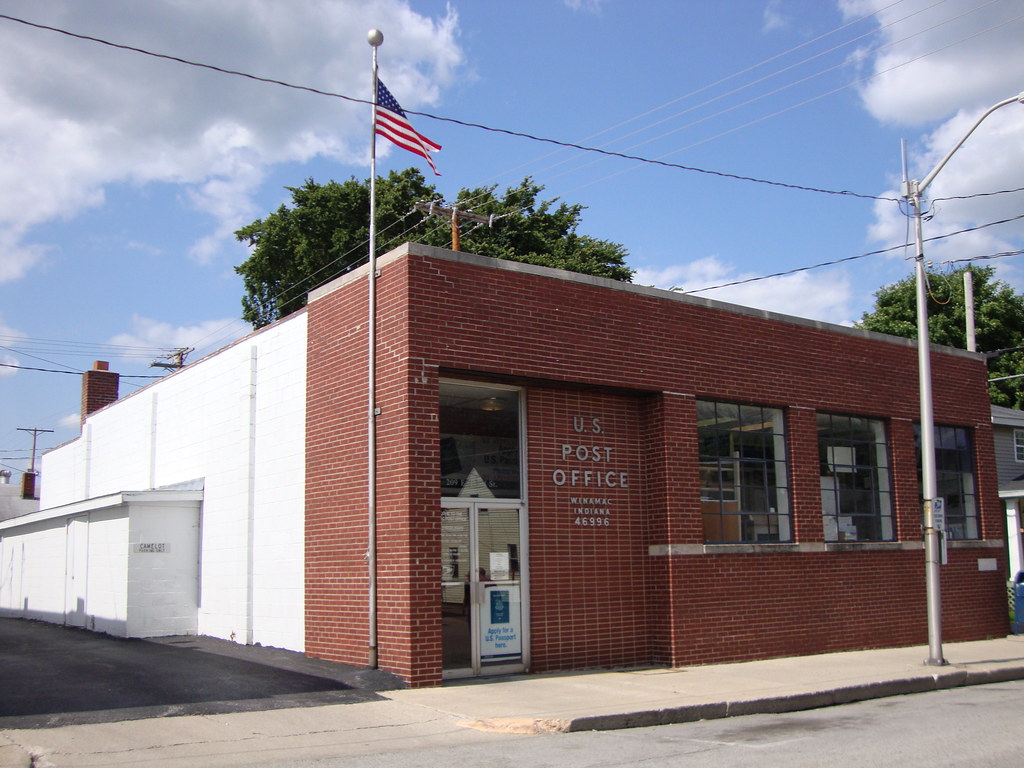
<point>861,54</point>
<point>72,373</point>
<point>528,136</point>
<point>726,79</point>
<point>463,123</point>
<point>180,60</point>
<point>989,257</point>
<point>42,370</point>
<point>562,144</point>
<point>778,90</point>
<point>810,100</point>
<point>41,359</point>
<point>788,271</point>
<point>862,256</point>
<point>519,134</point>
<point>977,194</point>
<point>64,342</point>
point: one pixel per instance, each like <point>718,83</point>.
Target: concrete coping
<point>743,548</point>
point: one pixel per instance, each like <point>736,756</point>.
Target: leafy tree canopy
<point>999,321</point>
<point>323,234</point>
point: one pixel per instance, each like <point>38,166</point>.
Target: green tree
<point>323,234</point>
<point>999,321</point>
<point>536,233</point>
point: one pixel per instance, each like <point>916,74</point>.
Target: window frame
<point>1018,445</point>
<point>963,521</point>
<point>502,473</point>
<point>855,479</point>
<point>744,477</point>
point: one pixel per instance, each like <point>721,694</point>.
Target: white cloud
<point>824,295</point>
<point>16,257</point>
<point>774,18</point>
<point>959,58</point>
<point>591,6</point>
<point>8,360</point>
<point>203,337</point>
<point>71,421</point>
<point>76,116</point>
<point>933,59</point>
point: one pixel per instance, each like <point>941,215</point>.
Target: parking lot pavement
<point>52,675</point>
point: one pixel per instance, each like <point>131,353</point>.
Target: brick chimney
<point>28,486</point>
<point>99,388</point>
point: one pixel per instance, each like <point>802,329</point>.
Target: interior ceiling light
<point>492,404</point>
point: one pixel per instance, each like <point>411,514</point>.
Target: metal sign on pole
<point>939,521</point>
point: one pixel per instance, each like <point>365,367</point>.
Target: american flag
<point>392,124</point>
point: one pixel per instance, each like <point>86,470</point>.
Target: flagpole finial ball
<point>375,37</point>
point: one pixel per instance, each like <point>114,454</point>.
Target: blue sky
<point>124,176</point>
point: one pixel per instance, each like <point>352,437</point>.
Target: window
<point>479,427</point>
<point>855,498</point>
<point>1018,444</point>
<point>954,479</point>
<point>743,478</point>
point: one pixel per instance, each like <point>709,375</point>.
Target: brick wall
<point>636,361</point>
<point>336,470</point>
<point>99,388</point>
<point>588,530</point>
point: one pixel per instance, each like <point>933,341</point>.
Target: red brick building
<point>574,472</point>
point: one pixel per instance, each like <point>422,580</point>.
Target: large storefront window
<point>479,441</point>
<point>954,478</point>
<point>744,488</point>
<point>854,462</point>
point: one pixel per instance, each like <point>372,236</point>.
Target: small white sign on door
<point>499,562</point>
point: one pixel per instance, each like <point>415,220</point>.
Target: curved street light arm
<point>922,185</point>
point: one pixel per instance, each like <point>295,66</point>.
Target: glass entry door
<point>483,595</point>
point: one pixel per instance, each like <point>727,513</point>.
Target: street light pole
<point>912,192</point>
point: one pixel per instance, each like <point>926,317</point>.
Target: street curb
<point>688,713</point>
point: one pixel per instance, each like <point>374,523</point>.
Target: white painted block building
<point>180,510</point>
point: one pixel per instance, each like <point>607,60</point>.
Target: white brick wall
<point>125,564</point>
<point>162,570</point>
<point>236,420</point>
<point>106,571</point>
<point>32,572</point>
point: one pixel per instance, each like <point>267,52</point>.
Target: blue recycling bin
<point>1018,603</point>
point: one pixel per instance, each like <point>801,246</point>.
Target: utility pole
<point>434,208</point>
<point>912,192</point>
<point>969,328</point>
<point>35,433</point>
<point>175,359</point>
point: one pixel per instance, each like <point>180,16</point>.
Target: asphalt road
<point>970,727</point>
<point>52,675</point>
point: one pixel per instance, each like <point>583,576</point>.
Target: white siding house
<point>1008,436</point>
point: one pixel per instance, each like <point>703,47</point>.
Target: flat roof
<point>443,254</point>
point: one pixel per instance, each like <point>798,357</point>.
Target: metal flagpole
<point>375,37</point>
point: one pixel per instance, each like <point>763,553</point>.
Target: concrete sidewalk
<point>504,708</point>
